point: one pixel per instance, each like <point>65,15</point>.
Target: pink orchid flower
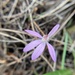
<point>40,44</point>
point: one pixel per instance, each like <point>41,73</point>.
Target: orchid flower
<point>40,44</point>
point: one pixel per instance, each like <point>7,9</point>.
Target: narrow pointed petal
<point>55,28</point>
<point>51,52</point>
<point>31,45</point>
<point>33,33</point>
<point>38,51</point>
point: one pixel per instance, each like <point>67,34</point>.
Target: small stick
<point>47,62</point>
<point>50,12</point>
<point>64,23</point>
<point>38,28</point>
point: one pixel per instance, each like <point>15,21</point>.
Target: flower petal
<point>52,52</point>
<point>55,28</point>
<point>38,51</point>
<point>33,33</point>
<point>31,45</point>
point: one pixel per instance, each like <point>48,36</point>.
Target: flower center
<point>45,38</point>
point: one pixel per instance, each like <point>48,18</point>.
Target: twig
<point>10,30</point>
<point>19,59</point>
<point>13,8</point>
<point>38,28</point>
<point>7,35</point>
<point>47,62</point>
<point>50,12</point>
<point>30,14</point>
<point>64,23</point>
<point>3,3</point>
<point>20,14</point>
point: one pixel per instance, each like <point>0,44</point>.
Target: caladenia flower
<point>41,43</point>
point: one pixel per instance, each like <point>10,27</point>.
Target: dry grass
<point>38,15</point>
